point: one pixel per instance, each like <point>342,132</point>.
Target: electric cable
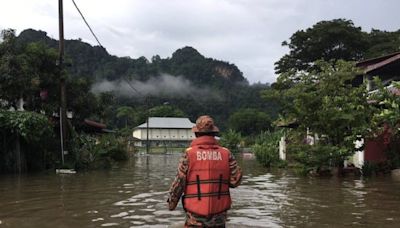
<point>94,35</point>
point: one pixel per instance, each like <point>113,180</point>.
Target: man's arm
<point>178,186</point>
<point>236,172</point>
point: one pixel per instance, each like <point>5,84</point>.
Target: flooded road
<point>134,195</point>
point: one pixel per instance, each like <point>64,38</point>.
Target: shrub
<point>266,148</point>
<point>231,140</point>
<point>95,153</point>
<point>315,157</point>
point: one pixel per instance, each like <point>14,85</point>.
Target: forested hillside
<point>187,81</point>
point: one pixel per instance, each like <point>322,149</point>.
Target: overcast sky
<point>247,33</point>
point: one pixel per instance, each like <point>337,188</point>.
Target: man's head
<point>205,126</point>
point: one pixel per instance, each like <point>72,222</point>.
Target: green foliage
<point>266,148</point>
<point>33,127</point>
<point>249,122</point>
<point>382,43</point>
<point>25,70</point>
<point>387,116</point>
<point>225,88</point>
<point>393,150</point>
<point>166,111</point>
<point>326,40</point>
<point>316,157</point>
<point>372,168</point>
<point>128,114</point>
<point>231,140</point>
<point>112,147</point>
<point>327,104</point>
<point>32,133</point>
<point>94,153</point>
<point>388,102</point>
<point>334,40</point>
<point>314,90</point>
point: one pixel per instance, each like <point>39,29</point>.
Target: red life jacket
<point>207,181</point>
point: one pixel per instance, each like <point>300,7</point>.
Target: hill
<point>96,63</point>
<point>187,80</point>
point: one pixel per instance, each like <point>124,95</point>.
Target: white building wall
<point>155,134</point>
<point>137,133</point>
<point>164,134</point>
<point>173,134</point>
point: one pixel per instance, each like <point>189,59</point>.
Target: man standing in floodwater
<point>206,171</point>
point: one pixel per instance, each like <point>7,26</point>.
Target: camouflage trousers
<point>193,220</point>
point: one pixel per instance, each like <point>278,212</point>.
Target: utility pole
<point>147,126</point>
<point>63,100</point>
<point>147,135</point>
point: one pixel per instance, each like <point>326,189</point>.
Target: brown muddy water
<point>134,195</point>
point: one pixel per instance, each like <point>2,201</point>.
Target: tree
<point>166,111</point>
<point>127,113</point>
<point>382,43</point>
<point>25,70</point>
<point>326,40</point>
<point>13,69</point>
<point>249,122</point>
<point>327,104</point>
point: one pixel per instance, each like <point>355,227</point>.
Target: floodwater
<point>134,195</point>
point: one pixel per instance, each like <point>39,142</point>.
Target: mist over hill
<point>187,80</point>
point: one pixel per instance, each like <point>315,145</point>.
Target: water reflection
<point>134,195</point>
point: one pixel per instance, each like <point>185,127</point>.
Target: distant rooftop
<point>168,122</point>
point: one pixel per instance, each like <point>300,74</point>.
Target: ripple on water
<point>165,212</point>
<point>122,214</point>
<point>92,212</point>
<point>110,224</point>
<point>146,218</point>
<point>148,209</point>
<point>137,223</point>
<point>97,219</point>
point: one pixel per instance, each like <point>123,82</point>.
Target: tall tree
<point>382,43</point>
<point>326,40</point>
<point>25,70</point>
<point>249,122</point>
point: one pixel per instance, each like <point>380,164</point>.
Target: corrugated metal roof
<point>168,122</point>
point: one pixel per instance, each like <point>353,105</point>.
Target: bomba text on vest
<point>208,155</point>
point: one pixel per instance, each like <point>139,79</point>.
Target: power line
<point>127,81</point>
<point>94,35</point>
<point>130,85</point>
<point>77,8</point>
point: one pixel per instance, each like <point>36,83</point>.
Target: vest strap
<point>208,182</point>
<point>219,186</point>
<point>198,187</point>
<point>211,194</point>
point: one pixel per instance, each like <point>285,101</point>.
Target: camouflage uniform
<point>178,187</point>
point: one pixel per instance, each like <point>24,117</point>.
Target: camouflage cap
<point>205,124</point>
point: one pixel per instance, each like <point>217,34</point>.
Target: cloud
<point>161,86</point>
<point>247,33</point>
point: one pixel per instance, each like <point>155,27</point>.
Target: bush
<point>266,148</point>
<point>231,140</point>
<point>30,132</point>
<point>374,168</point>
<point>315,157</point>
<point>95,153</point>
